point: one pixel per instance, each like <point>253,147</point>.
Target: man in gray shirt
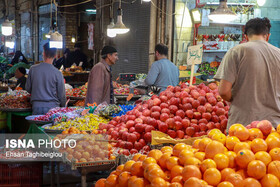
<point>163,72</point>
<point>45,84</point>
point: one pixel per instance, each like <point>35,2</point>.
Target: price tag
<point>129,97</point>
<point>194,57</point>
<point>84,112</point>
<point>81,63</point>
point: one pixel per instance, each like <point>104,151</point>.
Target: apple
<point>215,118</point>
<point>197,115</point>
<point>138,120</point>
<point>217,125</point>
<point>220,111</point>
<point>163,99</point>
<point>195,103</point>
<point>220,104</point>
<point>154,97</point>
<point>153,122</point>
<point>132,129</point>
<point>146,112</point>
<point>177,94</point>
<point>124,135</point>
<point>170,122</point>
<point>195,94</point>
<point>189,114</point>
<point>139,127</point>
<point>202,100</point>
<point>202,127</point>
<point>265,126</point>
<point>133,151</point>
<point>224,123</point>
<point>155,109</point>
<point>195,121</point>
<point>187,106</point>
<point>169,95</point>
<point>208,107</point>
<point>178,125</point>
<point>177,118</point>
<point>202,121</point>
<point>206,116</point>
<point>254,124</point>
<point>185,100</point>
<point>183,95</point>
<point>174,101</point>
<point>156,102</point>
<point>148,137</point>
<point>208,95</point>
<point>131,117</point>
<point>201,109</point>
<point>142,141</point>
<point>146,148</point>
<point>213,86</point>
<point>173,109</point>
<point>125,152</point>
<point>149,128</point>
<point>138,146</point>
<point>190,131</point>
<point>212,101</point>
<point>186,123</point>
<point>202,93</point>
<point>130,124</point>
<point>128,145</point>
<point>165,110</point>
<point>137,135</point>
<point>172,133</point>
<point>164,117</point>
<point>155,115</point>
<point>115,135</point>
<point>222,117</point>
<point>180,113</point>
<point>195,126</point>
<point>163,105</point>
<point>131,137</point>
<point>210,125</point>
<point>163,127</point>
<point>180,134</point>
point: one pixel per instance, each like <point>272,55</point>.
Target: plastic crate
<point>21,174</point>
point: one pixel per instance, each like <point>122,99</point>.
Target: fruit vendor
<point>249,75</point>
<point>45,83</point>
<point>21,79</point>
<point>163,72</point>
<point>100,86</point>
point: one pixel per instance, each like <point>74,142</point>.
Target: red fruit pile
<point>265,126</point>
<point>181,112</point>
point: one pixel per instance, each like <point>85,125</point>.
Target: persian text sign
<point>195,54</point>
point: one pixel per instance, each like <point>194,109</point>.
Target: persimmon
<point>226,172</point>
<point>258,145</point>
<point>275,153</point>
<point>251,182</point>
<point>171,162</point>
<point>213,148</point>
<point>155,153</point>
<point>244,157</point>
<point>231,141</point>
<point>264,157</point>
<point>191,171</point>
<point>176,171</point>
<point>212,176</point>
<point>178,148</point>
<point>184,155</point>
<point>256,169</point>
<point>206,164</point>
<point>221,160</point>
<point>270,180</point>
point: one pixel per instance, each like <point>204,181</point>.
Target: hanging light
<point>73,39</point>
<point>222,14</point>
<point>110,31</point>
<point>261,2</point>
<point>10,43</point>
<point>146,0</point>
<point>119,27</point>
<point>7,28</point>
<point>56,40</point>
<point>49,34</point>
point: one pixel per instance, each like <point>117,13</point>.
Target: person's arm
<point>152,75</point>
<point>28,84</point>
<point>225,90</point>
<point>61,90</point>
<point>95,85</point>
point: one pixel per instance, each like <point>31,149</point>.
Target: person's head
<point>110,55</point>
<point>258,28</point>
<point>77,46</point>
<point>66,52</point>
<point>161,51</point>
<point>20,72</point>
<point>48,53</point>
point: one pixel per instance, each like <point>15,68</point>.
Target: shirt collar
<point>106,65</point>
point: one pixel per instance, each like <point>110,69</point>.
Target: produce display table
<point>121,99</point>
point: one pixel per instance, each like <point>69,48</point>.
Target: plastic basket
<point>21,174</point>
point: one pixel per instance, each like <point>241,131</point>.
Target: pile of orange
<point>244,158</point>
<point>73,130</point>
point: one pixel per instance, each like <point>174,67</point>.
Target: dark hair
<point>257,26</point>
<point>161,49</point>
<point>49,52</point>
<point>78,45</point>
<point>22,70</point>
<point>67,51</point>
<point>15,60</point>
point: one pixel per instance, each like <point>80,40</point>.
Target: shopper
<point>163,72</point>
<point>45,84</point>
<point>63,61</point>
<point>249,75</point>
<point>78,57</point>
<point>21,79</point>
<point>100,87</point>
<point>19,57</point>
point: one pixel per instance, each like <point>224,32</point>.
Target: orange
<point>123,178</point>
<point>167,176</point>
<point>158,182</point>
<point>212,176</point>
<point>175,184</point>
<point>193,182</point>
<point>256,169</point>
<point>150,168</point>
<point>244,157</point>
<point>213,131</point>
<point>100,183</point>
<point>255,133</point>
<point>231,130</point>
<point>178,179</point>
<point>242,173</point>
<point>127,165</point>
<point>258,145</point>
<point>226,172</point>
<point>241,145</point>
<point>171,162</point>
<point>176,171</point>
<point>275,153</point>
<point>225,184</point>
<point>235,179</point>
<point>221,160</point>
<point>220,138</point>
<point>251,182</point>
<point>278,128</point>
<point>206,164</point>
<point>231,156</point>
<point>231,141</point>
<point>196,143</point>
<point>213,148</point>
<point>142,157</point>
<point>139,182</point>
<point>200,156</point>
<point>184,155</point>
<point>166,149</point>
<point>137,169</point>
<point>192,161</point>
<point>155,173</point>
<point>274,168</point>
<point>272,142</point>
<point>131,181</point>
<point>270,180</point>
<point>178,148</point>
<point>274,134</point>
<point>148,161</point>
<point>191,171</point>
<point>119,169</point>
<point>203,143</point>
<point>156,154</point>
<point>136,156</point>
<point>111,181</point>
<point>163,158</point>
<point>264,157</point>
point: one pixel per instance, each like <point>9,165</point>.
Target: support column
<point>169,27</point>
<point>153,28</point>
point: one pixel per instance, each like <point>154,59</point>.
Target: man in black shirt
<point>21,79</point>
